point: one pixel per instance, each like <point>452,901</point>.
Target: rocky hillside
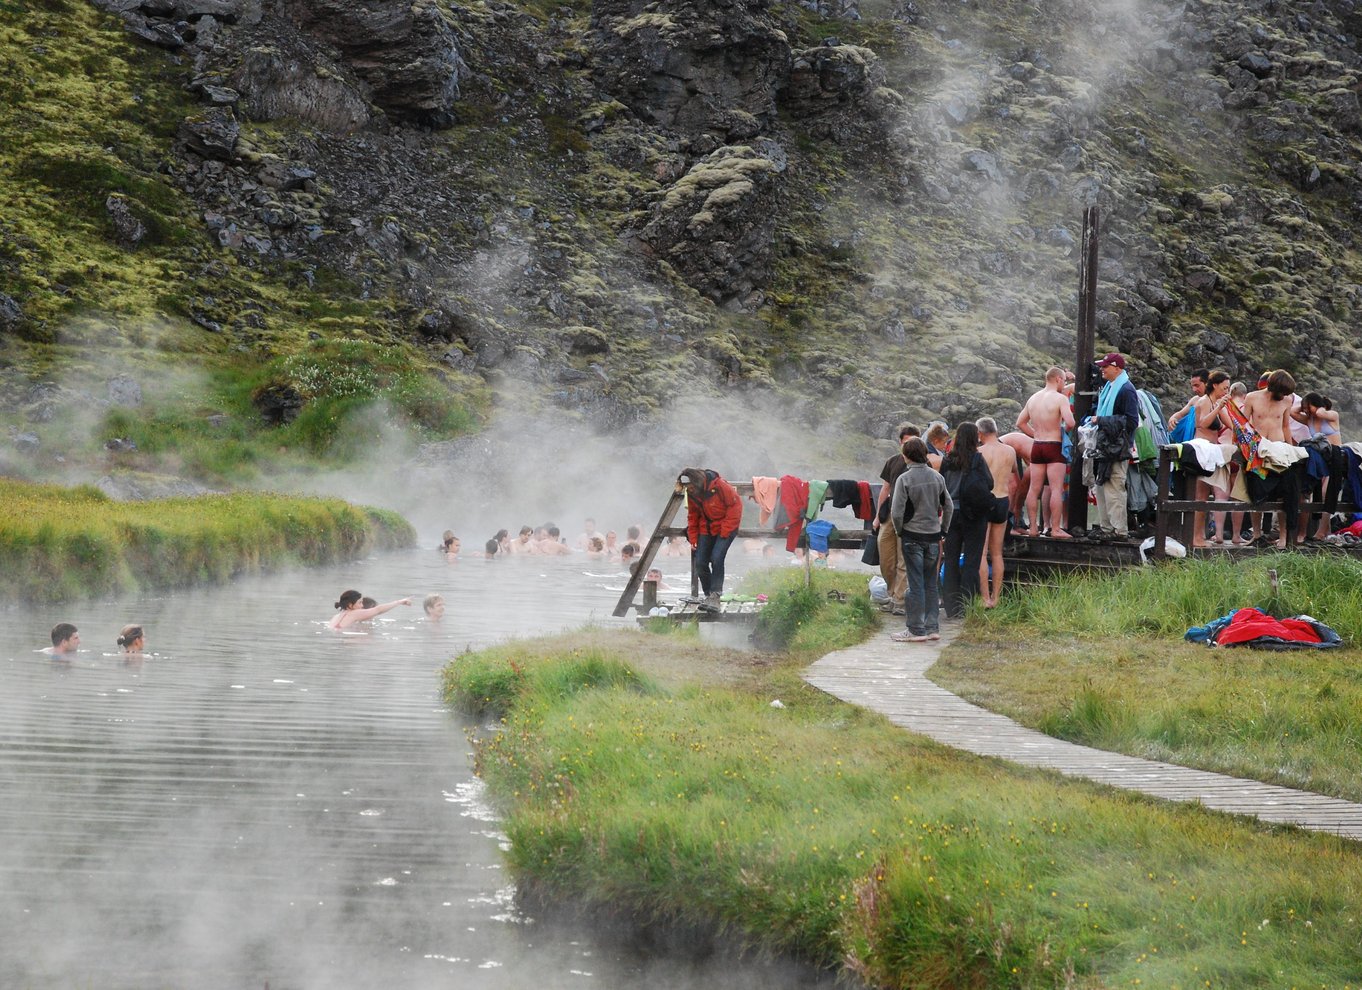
<point>266,213</point>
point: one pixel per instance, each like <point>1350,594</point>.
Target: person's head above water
<point>490,548</point>
<point>629,551</point>
<point>132,639</point>
<point>349,599</point>
<point>434,606</point>
<point>367,602</point>
<point>65,638</point>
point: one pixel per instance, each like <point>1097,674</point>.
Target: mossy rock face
<point>670,198</point>
<point>695,66</point>
<point>715,225</point>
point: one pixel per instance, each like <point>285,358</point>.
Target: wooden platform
<point>888,678</point>
<point>690,612</point>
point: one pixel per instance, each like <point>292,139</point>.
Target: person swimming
<point>352,610</point>
<point>65,640</point>
<point>132,639</point>
<point>434,607</point>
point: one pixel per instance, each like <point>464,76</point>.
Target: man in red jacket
<point>714,514</point>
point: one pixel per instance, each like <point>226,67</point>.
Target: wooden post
<point>1160,497</point>
<point>1085,395</point>
<point>650,594</point>
<point>1187,493</point>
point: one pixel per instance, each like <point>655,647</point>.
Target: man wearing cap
<point>1118,416</point>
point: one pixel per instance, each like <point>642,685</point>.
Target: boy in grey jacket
<point>921,512</point>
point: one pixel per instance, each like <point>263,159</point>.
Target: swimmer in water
<point>132,639</point>
<point>65,640</point>
<point>352,610</point>
<point>434,606</point>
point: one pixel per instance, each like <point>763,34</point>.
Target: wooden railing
<point>853,539</point>
<point>1175,511</point>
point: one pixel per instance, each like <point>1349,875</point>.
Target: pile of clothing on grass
<point>1250,627</point>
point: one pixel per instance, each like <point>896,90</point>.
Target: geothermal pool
<point>264,801</point>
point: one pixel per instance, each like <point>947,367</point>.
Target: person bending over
<point>713,516</point>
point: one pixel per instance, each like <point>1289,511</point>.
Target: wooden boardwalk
<point>888,678</point>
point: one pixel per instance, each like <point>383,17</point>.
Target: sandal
<point>904,636</point>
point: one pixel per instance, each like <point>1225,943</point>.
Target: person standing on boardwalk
<point>920,512</point>
<point>887,538</point>
<point>714,514</point>
<point>1001,460</point>
<point>1044,418</point>
<point>969,484</point>
<point>1118,416</point>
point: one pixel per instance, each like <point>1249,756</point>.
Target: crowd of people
<point>950,499</point>
<point>936,517</point>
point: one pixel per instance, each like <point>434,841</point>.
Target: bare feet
<point>1059,534</point>
<point>1031,532</point>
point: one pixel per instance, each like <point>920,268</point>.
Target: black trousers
<point>962,577</point>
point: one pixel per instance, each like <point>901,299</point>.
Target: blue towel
<point>819,532</point>
<point>1207,633</point>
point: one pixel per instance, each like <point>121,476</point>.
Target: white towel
<point>1208,453</point>
<point>1278,456</point>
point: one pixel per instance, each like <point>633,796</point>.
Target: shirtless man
<point>1198,382</point>
<point>65,640</point>
<point>524,541</point>
<point>1002,461</point>
<point>1020,481</point>
<point>1044,418</point>
<point>552,544</point>
<point>1269,412</point>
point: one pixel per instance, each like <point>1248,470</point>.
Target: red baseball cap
<point>1113,358</point>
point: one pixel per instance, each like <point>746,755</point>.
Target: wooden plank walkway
<point>889,678</point>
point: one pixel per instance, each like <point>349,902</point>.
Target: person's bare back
<point>1002,461</point>
<point>1047,412</point>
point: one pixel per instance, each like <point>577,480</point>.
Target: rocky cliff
<point>865,211</point>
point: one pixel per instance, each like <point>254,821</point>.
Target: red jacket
<point>717,512</point>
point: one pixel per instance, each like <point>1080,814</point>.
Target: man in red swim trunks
<point>1044,417</point>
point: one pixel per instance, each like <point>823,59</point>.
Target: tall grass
<point>1170,598</point>
<point>820,830</point>
<point>59,543</point>
<point>811,620</point>
<point>1102,661</point>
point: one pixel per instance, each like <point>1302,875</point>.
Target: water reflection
<point>260,799</point>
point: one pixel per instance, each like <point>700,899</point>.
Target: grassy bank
<point>652,775</point>
<point>1102,661</point>
<point>58,544</point>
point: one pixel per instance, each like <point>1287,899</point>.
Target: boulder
<point>212,134</point>
<point>278,404</point>
<point>124,391</point>
<point>11,316</point>
<point>685,64</point>
<point>837,90</point>
<point>276,83</point>
<point>715,226</point>
<point>406,52</point>
<point>128,231</point>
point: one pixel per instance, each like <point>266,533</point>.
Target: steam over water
<point>264,800</point>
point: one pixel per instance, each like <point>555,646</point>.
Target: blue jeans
<point>921,602</point>
<point>710,551</point>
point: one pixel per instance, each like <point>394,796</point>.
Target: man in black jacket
<point>1118,413</point>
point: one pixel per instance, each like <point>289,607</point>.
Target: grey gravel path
<point>888,678</point>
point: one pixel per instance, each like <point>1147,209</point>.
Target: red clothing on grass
<point>1250,624</point>
<point>717,512</point>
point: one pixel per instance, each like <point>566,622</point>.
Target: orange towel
<point>765,492</point>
